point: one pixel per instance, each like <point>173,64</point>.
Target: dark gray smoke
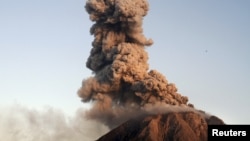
<point>122,83</point>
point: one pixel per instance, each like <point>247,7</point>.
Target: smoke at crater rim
<point>122,81</point>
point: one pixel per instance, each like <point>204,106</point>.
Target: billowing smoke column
<point>122,81</point>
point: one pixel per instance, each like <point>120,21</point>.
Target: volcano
<point>134,102</point>
<point>174,126</point>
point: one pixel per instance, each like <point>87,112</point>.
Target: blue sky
<point>201,46</point>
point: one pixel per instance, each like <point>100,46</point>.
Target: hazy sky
<point>201,46</point>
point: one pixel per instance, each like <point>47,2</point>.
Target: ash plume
<point>19,123</point>
<point>122,84</point>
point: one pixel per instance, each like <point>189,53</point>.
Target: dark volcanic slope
<point>182,126</point>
